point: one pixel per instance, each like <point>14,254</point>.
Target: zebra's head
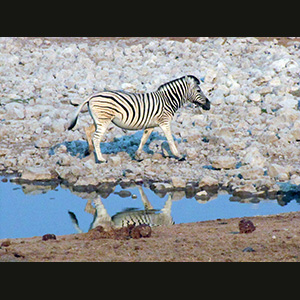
<point>195,94</point>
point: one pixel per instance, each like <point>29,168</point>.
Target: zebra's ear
<point>197,81</point>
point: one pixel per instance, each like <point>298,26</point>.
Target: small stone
<point>208,181</point>
<point>128,87</point>
<point>37,173</point>
<point>48,236</point>
<point>295,180</point>
<point>275,81</point>
<point>255,97</point>
<point>124,194</point>
<point>141,231</point>
<point>178,182</point>
<point>116,160</point>
<point>201,194</point>
<point>15,110</point>
<point>274,170</point>
<point>248,249</point>
<point>244,189</point>
<point>254,158</point>
<point>224,162</point>
<point>6,243</point>
<point>282,177</point>
<point>246,226</point>
<point>42,143</point>
<point>253,173</point>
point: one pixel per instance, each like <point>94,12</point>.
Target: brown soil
<point>285,41</point>
<point>275,238</point>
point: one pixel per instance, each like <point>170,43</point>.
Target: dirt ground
<point>275,239</point>
<point>285,41</point>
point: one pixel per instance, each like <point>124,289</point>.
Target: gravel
<point>248,141</point>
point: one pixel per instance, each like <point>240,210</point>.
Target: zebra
<point>136,111</point>
<point>148,215</point>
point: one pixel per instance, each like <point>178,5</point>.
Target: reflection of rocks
<point>123,193</point>
<point>37,187</point>
<point>30,189</point>
<point>209,195</point>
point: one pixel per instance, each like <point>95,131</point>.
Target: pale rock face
<point>15,111</point>
<point>254,158</point>
<point>253,123</point>
<point>208,181</point>
<point>295,179</point>
<point>178,182</point>
<point>224,162</point>
<point>275,170</point>
<point>37,173</point>
<point>251,173</point>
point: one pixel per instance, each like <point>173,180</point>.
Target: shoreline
<point>276,238</point>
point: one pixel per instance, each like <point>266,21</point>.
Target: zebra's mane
<point>178,79</point>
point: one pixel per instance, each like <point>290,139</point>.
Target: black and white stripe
<point>135,111</point>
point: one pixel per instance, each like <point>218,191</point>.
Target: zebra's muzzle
<point>205,106</point>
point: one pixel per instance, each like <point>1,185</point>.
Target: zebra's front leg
<point>167,131</point>
<point>100,130</point>
<point>147,132</point>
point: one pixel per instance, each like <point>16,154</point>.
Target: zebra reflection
<point>148,215</point>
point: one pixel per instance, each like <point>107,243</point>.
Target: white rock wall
<point>254,88</point>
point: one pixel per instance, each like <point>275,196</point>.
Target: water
<point>35,210</point>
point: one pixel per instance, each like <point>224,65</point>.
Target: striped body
<point>151,217</point>
<point>130,216</point>
<point>127,110</point>
<point>135,111</point>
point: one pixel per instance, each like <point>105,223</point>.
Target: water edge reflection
<point>35,209</point>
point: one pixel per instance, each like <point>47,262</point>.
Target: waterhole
<point>28,210</point>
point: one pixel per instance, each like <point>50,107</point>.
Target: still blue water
<point>27,210</point>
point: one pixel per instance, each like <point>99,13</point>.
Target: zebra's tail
<point>75,116</point>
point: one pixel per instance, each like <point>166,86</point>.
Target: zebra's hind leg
<point>147,132</point>
<point>89,131</point>
<point>101,127</point>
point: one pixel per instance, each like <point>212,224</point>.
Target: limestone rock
<point>254,158</point>
<point>248,172</point>
<point>42,143</point>
<point>254,114</point>
<point>178,182</point>
<point>15,110</point>
<point>208,181</point>
<point>247,188</point>
<point>38,173</point>
<point>295,180</point>
<point>274,170</point>
<point>224,162</point>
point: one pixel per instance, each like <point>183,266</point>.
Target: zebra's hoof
<point>97,161</point>
<point>182,158</point>
<point>138,157</point>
